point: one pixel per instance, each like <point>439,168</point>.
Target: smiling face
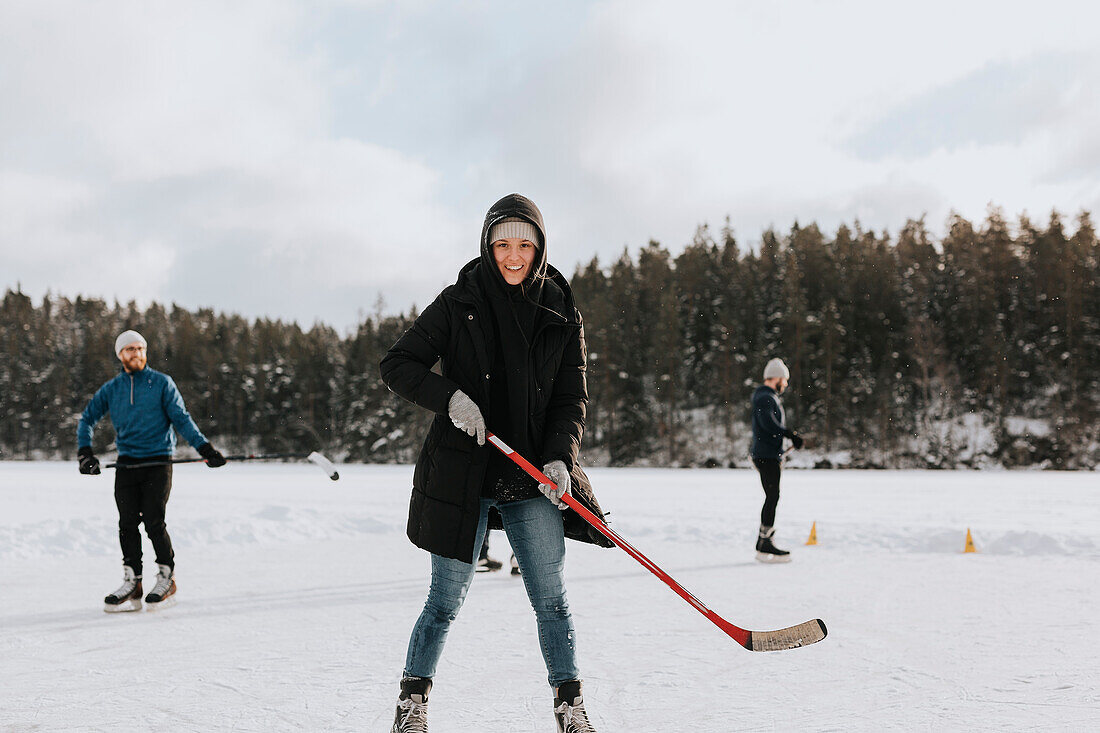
<point>514,258</point>
<point>133,357</point>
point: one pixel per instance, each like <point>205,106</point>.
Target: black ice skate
<point>766,551</point>
<point>411,715</point>
<point>163,594</point>
<point>128,595</point>
<point>515,565</point>
<point>487,564</point>
<point>569,710</point>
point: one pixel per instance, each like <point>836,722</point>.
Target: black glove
<point>797,440</point>
<point>89,464</point>
<point>213,457</point>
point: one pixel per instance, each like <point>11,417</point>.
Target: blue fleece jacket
<point>768,424</point>
<point>144,406</point>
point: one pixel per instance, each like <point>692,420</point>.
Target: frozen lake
<point>297,595</point>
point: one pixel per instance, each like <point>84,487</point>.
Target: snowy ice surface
<point>297,595</point>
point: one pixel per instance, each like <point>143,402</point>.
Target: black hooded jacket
<point>457,331</point>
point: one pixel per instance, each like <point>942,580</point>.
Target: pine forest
<point>977,349</point>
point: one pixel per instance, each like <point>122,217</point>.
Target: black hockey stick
<point>792,637</point>
<point>316,458</point>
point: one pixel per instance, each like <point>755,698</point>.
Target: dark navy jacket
<point>768,424</point>
<point>455,330</point>
<point>144,406</point>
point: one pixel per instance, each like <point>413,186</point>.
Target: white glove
<point>465,415</point>
<point>556,472</point>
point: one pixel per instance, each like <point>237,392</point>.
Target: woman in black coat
<point>510,344</point>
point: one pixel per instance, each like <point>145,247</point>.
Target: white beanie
<point>514,227</point>
<point>126,338</point>
<point>776,368</point>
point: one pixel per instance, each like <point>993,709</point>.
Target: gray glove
<point>465,415</point>
<point>556,472</point>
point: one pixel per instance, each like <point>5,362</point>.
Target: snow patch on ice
<point>271,524</point>
<point>1037,543</point>
<point>273,513</point>
<point>274,524</point>
<point>55,537</point>
<point>874,538</point>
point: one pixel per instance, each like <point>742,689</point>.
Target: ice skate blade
<point>166,603</point>
<point>134,604</point>
<point>767,557</point>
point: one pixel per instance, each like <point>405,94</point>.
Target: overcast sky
<point>299,160</point>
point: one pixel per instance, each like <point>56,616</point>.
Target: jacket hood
<point>522,207</point>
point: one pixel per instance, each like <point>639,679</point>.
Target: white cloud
<point>295,160</point>
<point>143,138</point>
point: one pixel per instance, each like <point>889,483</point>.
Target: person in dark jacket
<point>144,405</point>
<point>769,428</point>
<point>510,344</point>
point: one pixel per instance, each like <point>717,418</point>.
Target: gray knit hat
<point>776,368</point>
<point>514,227</point>
<point>126,338</point>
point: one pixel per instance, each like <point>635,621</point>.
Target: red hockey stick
<point>791,637</point>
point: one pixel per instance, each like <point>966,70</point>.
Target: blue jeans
<point>535,530</point>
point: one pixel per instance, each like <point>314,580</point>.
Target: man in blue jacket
<point>769,427</point>
<point>144,406</point>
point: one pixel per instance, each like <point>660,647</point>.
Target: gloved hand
<point>797,440</point>
<point>213,456</point>
<point>559,474</point>
<point>466,416</point>
<point>89,464</point>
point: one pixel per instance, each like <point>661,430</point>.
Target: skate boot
<point>569,709</point>
<point>766,551</point>
<point>411,715</point>
<point>128,595</point>
<point>515,565</point>
<point>163,594</point>
<point>487,564</point>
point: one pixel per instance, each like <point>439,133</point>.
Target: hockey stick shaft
<point>789,638</point>
<point>313,457</point>
<point>169,462</point>
<point>173,461</point>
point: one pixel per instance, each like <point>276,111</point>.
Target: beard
<point>134,364</point>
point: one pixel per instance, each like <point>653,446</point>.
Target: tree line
<point>982,346</point>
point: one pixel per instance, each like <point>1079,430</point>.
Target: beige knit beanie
<point>514,228</point>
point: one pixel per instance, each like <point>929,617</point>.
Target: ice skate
<point>411,715</point>
<point>515,565</point>
<point>163,594</point>
<point>766,551</point>
<point>128,595</point>
<point>569,712</point>
<point>486,564</point>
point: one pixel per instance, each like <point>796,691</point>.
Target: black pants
<point>141,495</point>
<point>769,469</point>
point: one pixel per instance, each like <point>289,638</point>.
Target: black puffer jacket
<point>456,331</point>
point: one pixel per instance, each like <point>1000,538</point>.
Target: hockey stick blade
<point>791,637</point>
<point>325,464</point>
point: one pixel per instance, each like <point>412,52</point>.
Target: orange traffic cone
<point>812,539</point>
<point>969,542</point>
